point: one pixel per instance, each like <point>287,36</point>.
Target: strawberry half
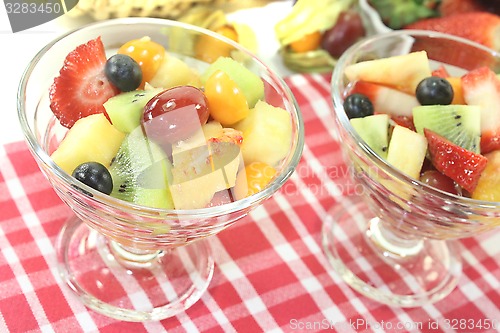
<point>405,121</point>
<point>81,87</point>
<point>461,165</point>
<point>441,71</point>
<point>482,87</point>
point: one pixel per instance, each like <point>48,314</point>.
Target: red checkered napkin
<point>271,273</point>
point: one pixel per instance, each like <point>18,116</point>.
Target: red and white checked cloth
<point>271,273</point>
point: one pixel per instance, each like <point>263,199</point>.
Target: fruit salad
<point>151,128</point>
<point>433,125</point>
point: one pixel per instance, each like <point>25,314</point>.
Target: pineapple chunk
<point>174,72</point>
<point>267,134</point>
<point>407,150</point>
<point>403,71</point>
<point>91,139</point>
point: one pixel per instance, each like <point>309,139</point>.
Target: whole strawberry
<point>82,86</point>
<point>452,7</point>
<point>480,27</point>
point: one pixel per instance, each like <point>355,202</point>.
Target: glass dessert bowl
<point>124,259</point>
<point>394,240</point>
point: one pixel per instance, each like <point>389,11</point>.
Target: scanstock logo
<point>25,14</point>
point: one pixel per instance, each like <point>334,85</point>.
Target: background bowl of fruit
<point>316,32</point>
<point>154,146</point>
<point>418,113</point>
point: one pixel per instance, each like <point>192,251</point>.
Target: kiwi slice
<point>461,124</point>
<point>141,172</point>
<point>374,130</point>
<point>125,109</point>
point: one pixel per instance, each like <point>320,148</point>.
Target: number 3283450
<point>33,8</point>
<point>471,324</point>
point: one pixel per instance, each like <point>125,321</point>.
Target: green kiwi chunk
<point>461,124</point>
<point>141,172</point>
<point>125,109</point>
<point>374,130</point>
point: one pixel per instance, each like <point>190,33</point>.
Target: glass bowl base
<point>152,286</point>
<point>394,272</point>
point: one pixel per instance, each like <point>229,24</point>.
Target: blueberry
<point>358,106</point>
<point>95,175</point>
<point>434,91</point>
<point>124,72</point>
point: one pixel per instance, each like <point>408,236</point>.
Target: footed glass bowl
<point>394,240</point>
<point>124,260</point>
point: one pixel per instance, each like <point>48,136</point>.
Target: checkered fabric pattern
<point>271,272</point>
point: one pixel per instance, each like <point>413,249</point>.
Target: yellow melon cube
<point>267,134</point>
<point>488,187</point>
<point>90,139</point>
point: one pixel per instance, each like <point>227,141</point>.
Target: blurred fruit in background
<point>451,7</point>
<point>481,27</point>
<point>208,49</point>
<point>169,9</point>
<point>209,14</point>
<point>316,32</point>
